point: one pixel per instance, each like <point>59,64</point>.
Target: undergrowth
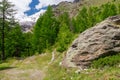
<point>107,61</point>
<point>57,72</point>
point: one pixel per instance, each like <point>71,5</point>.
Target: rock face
<point>99,41</point>
<point>26,26</point>
<point>76,0</point>
<point>72,8</point>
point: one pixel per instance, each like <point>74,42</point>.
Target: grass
<point>23,69</point>
<point>102,69</point>
<point>107,61</point>
<point>4,66</point>
<point>56,72</point>
<point>53,71</point>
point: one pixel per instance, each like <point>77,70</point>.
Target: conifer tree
<point>27,44</point>
<point>81,20</point>
<point>64,37</point>
<point>6,12</point>
<point>108,10</point>
<point>45,31</point>
<point>65,34</point>
<point>14,42</point>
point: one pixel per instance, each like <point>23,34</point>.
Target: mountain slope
<point>71,7</point>
<point>76,6</point>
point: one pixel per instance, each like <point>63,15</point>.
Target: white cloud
<point>23,6</point>
<point>44,3</point>
<point>33,17</point>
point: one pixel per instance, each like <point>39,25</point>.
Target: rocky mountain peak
<point>26,26</point>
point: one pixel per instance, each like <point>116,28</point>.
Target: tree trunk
<point>3,36</point>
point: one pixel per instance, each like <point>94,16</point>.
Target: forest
<point>49,31</point>
<point>40,54</point>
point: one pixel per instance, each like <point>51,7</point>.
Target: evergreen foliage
<point>65,34</point>
<point>108,10</point>
<point>45,31</point>
<point>64,37</point>
<point>50,30</point>
<point>14,42</point>
<point>88,17</point>
<point>6,15</point>
<point>27,44</point>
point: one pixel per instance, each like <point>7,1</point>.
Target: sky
<point>29,9</point>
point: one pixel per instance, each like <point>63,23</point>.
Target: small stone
<point>60,63</point>
<point>78,71</point>
<point>119,65</point>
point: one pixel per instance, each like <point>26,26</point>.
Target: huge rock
<point>99,41</point>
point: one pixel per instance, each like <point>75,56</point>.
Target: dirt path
<point>27,69</point>
<point>19,74</point>
<point>16,74</point>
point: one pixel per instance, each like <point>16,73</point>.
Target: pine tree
<point>6,12</point>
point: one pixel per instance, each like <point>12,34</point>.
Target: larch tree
<point>6,15</point>
<point>65,35</point>
<point>45,31</point>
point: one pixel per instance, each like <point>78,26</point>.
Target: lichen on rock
<point>99,41</point>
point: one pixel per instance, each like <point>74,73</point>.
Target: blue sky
<point>33,9</point>
<point>38,5</point>
<point>32,5</point>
